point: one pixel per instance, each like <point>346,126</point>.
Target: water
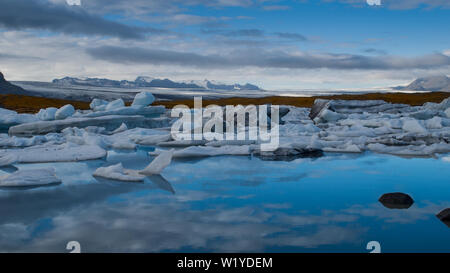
<point>233,204</point>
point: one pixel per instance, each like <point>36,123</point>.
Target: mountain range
<point>142,82</point>
<point>440,83</point>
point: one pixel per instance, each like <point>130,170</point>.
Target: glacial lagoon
<point>232,204</point>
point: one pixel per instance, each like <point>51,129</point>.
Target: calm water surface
<point>233,204</point>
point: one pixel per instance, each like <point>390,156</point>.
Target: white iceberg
<point>65,112</point>
<point>123,127</point>
<point>28,178</point>
<point>118,172</point>
<point>9,118</point>
<point>115,104</point>
<point>67,152</point>
<point>98,105</point>
<point>413,126</point>
<point>143,99</point>
<point>434,123</point>
<point>47,114</point>
<point>7,159</point>
<point>158,164</point>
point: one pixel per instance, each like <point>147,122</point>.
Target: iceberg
<point>118,172</point>
<point>7,160</point>
<point>158,164</point>
<point>413,126</point>
<point>115,104</point>
<point>67,152</point>
<point>47,114</point>
<point>30,178</point>
<point>205,151</point>
<point>143,99</point>
<point>98,105</point>
<point>65,112</point>
<point>110,123</point>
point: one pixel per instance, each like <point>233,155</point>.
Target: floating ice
<point>65,112</point>
<point>434,123</point>
<point>7,159</point>
<point>108,122</point>
<point>98,105</point>
<point>47,114</point>
<point>158,164</point>
<point>413,126</point>
<point>205,151</point>
<point>9,118</point>
<point>27,178</point>
<point>55,153</point>
<point>143,99</point>
<point>114,105</point>
<point>123,127</point>
<point>118,172</point>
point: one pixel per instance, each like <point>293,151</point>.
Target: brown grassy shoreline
<point>29,104</point>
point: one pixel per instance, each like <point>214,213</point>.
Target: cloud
<point>375,51</point>
<point>266,59</point>
<point>62,18</point>
<point>276,7</point>
<point>17,57</point>
<point>292,36</point>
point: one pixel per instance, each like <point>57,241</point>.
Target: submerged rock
<point>444,216</point>
<point>396,200</point>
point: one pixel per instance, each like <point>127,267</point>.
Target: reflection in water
<point>161,183</point>
<point>444,216</point>
<point>233,204</point>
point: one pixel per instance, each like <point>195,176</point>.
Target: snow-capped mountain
<point>144,81</point>
<point>433,83</point>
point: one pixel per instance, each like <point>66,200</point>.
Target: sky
<point>276,44</point>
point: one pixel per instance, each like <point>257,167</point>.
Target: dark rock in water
<point>444,216</point>
<point>288,154</point>
<point>318,106</point>
<point>396,200</point>
<point>9,88</point>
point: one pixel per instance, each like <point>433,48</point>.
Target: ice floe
<point>143,99</point>
<point>205,151</point>
<point>66,152</point>
<point>118,172</point>
<point>30,178</point>
<point>65,112</point>
<point>330,126</point>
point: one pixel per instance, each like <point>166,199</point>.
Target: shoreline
<point>32,104</point>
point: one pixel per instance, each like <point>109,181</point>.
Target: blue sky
<point>298,44</point>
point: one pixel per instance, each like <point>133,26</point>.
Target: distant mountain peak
<point>436,83</point>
